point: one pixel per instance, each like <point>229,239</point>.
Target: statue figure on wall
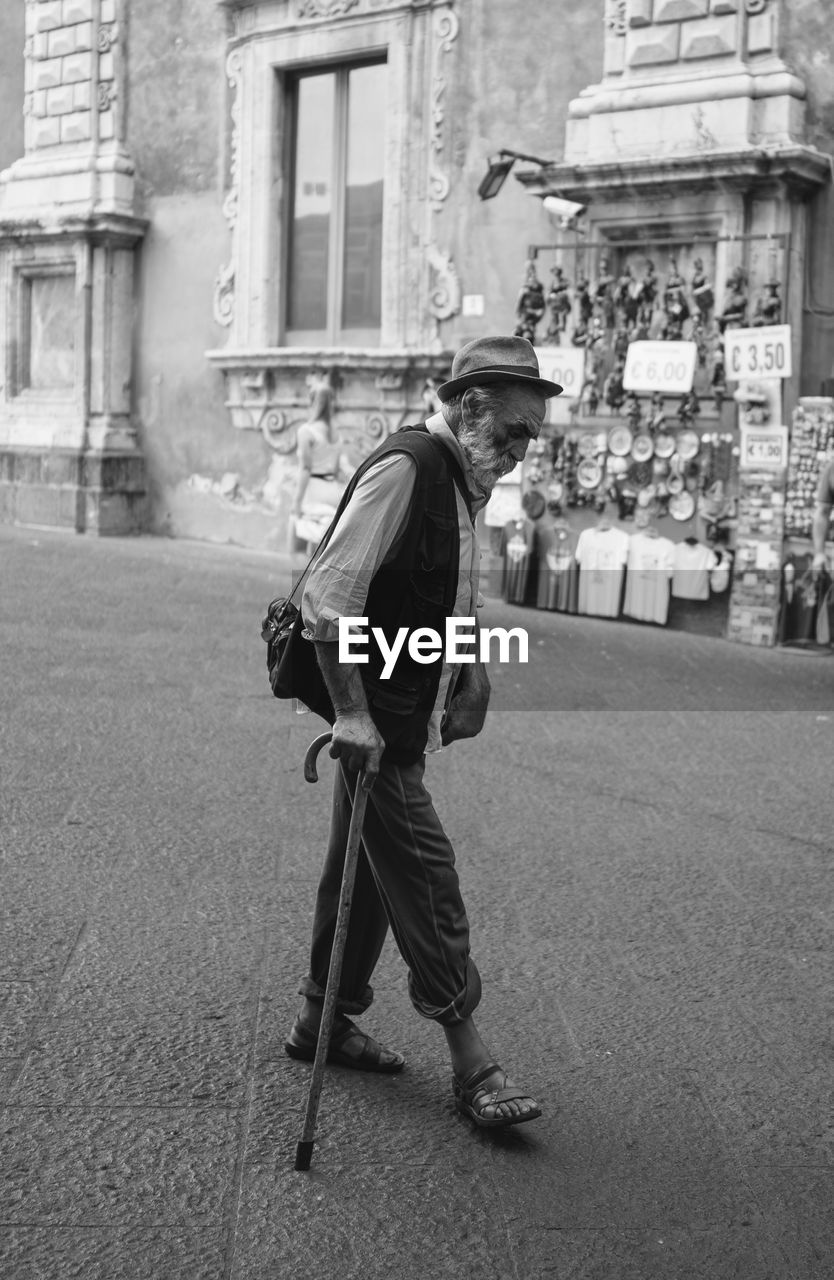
<point>558,304</point>
<point>604,294</point>
<point>702,291</point>
<point>768,306</point>
<point>675,306</point>
<point>530,306</point>
<point>734,315</point>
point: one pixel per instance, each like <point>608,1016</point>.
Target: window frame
<point>334,334</point>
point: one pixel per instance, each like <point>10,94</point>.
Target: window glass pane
<point>362,284</point>
<point>51,336</point>
<point>312,203</point>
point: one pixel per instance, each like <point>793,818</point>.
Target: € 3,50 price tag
<point>758,353</point>
<point>660,366</point>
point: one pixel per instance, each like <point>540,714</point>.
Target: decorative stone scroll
<point>446,26</point>
<point>445,297</point>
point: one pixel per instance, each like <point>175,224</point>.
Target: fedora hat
<point>501,359</point>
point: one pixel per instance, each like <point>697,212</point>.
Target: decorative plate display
<point>664,445</point>
<point>674,482</point>
<point>587,445</point>
<point>689,442</point>
<point>641,474</point>
<point>555,491</point>
<point>616,466</point>
<point>619,441</point>
<point>589,473</point>
<point>642,447</point>
<point>682,506</point>
<point>601,442</point>
<point>533,503</point>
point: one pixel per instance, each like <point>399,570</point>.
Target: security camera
<point>567,211</point>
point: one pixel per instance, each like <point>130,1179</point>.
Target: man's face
<point>497,439</point>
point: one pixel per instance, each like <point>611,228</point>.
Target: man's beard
<point>488,463</point>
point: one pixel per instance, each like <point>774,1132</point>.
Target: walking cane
<point>304,1149</point>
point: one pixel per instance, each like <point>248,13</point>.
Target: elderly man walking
<point>403,553</point>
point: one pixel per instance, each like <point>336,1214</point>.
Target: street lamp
<point>499,167</point>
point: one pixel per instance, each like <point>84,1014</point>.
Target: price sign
<point>660,366</point>
<point>764,449</point>
<point>565,366</point>
<point>758,353</point>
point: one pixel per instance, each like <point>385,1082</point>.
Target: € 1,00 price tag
<point>564,366</point>
<point>764,448</point>
<point>758,353</point>
<point>660,366</point>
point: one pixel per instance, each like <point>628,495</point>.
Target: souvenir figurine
<point>620,347</point>
<point>583,297</point>
<point>648,293</point>
<point>702,291</point>
<point>580,334</point>
<point>558,304</point>
<point>593,398</point>
<point>688,409</point>
<point>657,413</point>
<point>531,305</point>
<point>604,294</point>
<point>632,411</point>
<point>718,382</point>
<point>675,306</point>
<point>734,315</point>
<point>612,389</point>
<point>768,306</point>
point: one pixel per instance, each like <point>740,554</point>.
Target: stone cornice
<point>801,168</point>
<point>379,359</point>
<point>127,229</point>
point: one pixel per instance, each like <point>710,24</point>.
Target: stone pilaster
<point>68,233</point>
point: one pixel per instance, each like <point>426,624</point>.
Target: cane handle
<point>310,770</point>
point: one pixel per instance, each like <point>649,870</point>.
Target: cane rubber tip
<point>303,1156</point>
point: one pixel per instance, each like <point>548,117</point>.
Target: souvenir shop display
<point>519,538</point>
<point>558,571</point>
<point>812,444</point>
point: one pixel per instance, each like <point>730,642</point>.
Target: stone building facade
<point>204,206</point>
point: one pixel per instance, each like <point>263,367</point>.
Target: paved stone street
<point>644,834</point>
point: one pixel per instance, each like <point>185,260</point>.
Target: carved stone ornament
<point>615,16</point>
<point>445,293</point>
<point>224,285</point>
<point>324,8</point>
<point>755,6</point>
<point>446,27</point>
<point>278,431</point>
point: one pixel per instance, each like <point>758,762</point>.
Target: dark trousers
<point>405,877</point>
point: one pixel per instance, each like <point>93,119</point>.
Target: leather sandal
<point>472,1098</point>
<point>301,1044</point>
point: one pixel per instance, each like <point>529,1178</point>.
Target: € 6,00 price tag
<point>764,448</point>
<point>758,353</point>
<point>660,366</point>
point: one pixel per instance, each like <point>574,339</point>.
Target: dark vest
<point>416,589</point>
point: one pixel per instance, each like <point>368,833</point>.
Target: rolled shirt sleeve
<point>367,535</point>
<point>825,488</point>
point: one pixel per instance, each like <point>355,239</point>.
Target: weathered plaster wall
<point>11,81</point>
<point>809,49</point>
<point>517,68</point>
<point>178,132</point>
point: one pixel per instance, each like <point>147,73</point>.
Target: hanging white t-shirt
<point>601,555</point>
<point>693,564</point>
<point>651,561</point>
